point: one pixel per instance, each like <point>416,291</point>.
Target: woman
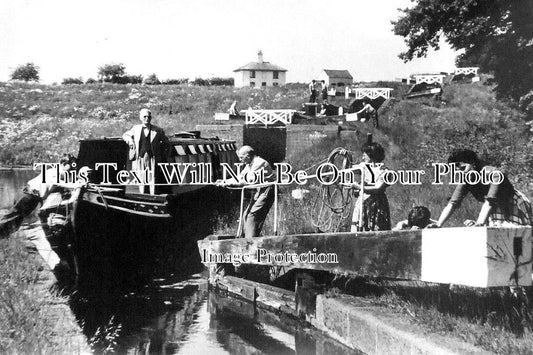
<point>502,203</point>
<point>375,214</point>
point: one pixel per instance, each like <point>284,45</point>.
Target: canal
<point>170,309</point>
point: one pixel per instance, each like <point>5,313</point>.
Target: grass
<point>29,316</point>
<point>24,325</point>
<point>40,122</point>
<point>493,319</point>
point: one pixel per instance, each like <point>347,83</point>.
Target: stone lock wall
<point>273,143</point>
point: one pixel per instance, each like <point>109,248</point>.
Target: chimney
<point>260,56</point>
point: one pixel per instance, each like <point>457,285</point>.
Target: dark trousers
<point>11,221</point>
<point>257,210</point>
<point>313,96</point>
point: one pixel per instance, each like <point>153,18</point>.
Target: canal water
<point>173,312</point>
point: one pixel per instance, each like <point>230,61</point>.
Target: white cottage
<point>259,74</point>
<point>336,79</point>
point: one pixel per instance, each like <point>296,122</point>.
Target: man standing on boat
<point>148,147</point>
<point>256,212</point>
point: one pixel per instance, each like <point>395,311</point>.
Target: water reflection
<point>11,184</point>
<point>175,314</point>
<point>185,318</point>
<point>154,319</point>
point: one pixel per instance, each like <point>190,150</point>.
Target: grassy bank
<point>25,326</point>
<point>40,122</point>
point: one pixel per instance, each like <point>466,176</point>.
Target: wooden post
<point>306,290</point>
<point>240,215</point>
<point>362,202</point>
<point>275,209</point>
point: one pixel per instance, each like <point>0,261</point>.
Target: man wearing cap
<point>262,200</point>
<point>149,144</point>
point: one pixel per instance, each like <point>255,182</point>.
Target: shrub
<point>221,81</point>
<point>215,81</point>
<point>128,79</point>
<point>91,81</point>
<point>175,81</point>
<point>201,82</point>
<point>152,80</point>
<point>69,81</point>
<point>133,79</point>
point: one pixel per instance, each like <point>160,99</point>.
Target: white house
<point>336,79</point>
<point>259,74</point>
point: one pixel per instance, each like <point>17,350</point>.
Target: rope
<point>331,205</point>
<point>332,201</point>
<point>97,188</point>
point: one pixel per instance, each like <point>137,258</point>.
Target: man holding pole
<point>255,214</point>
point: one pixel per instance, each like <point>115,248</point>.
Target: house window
<point>263,84</point>
<point>252,84</point>
<point>252,73</point>
<point>340,84</point>
<point>275,84</point>
<point>276,75</point>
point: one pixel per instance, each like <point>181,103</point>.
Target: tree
<point>497,36</point>
<point>26,72</point>
<point>112,73</point>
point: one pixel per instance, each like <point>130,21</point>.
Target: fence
<point>269,117</point>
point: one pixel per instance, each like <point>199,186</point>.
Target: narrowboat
<point>108,228</point>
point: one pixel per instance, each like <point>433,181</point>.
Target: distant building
<point>336,79</point>
<point>259,74</point>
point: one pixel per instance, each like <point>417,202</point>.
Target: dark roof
<point>265,66</point>
<point>338,73</point>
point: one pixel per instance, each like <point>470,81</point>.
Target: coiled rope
<point>332,204</point>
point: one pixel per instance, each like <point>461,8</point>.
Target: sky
<point>207,38</point>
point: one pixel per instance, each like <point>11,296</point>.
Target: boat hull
<point>111,231</point>
<point>129,244</point>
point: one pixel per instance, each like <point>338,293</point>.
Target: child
<point>419,218</point>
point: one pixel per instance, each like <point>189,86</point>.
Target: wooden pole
<point>275,209</point>
<point>361,203</point>
<point>240,215</point>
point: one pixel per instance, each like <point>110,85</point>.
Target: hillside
<point>39,122</point>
